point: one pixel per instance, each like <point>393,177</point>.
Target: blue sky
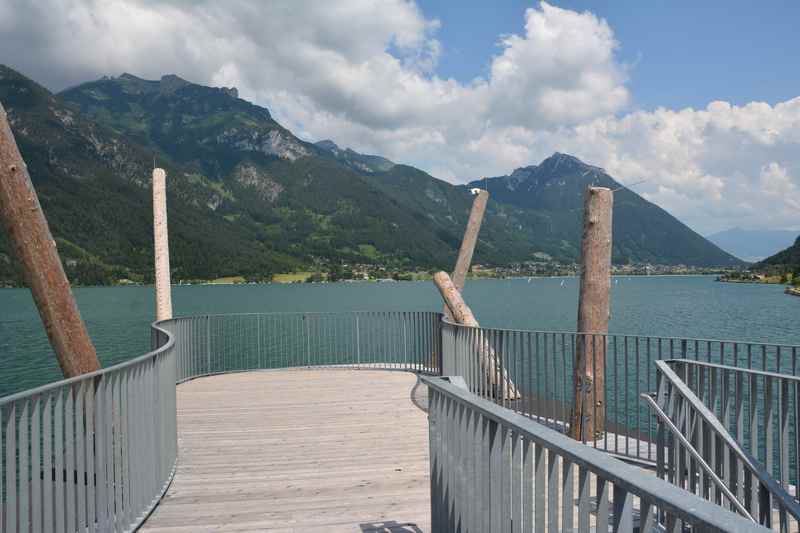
<point>681,54</point>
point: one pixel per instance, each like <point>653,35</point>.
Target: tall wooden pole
<point>588,420</point>
<point>161,246</point>
<point>496,377</point>
<point>468,243</point>
<point>35,248</point>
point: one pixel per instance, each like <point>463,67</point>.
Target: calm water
<point>118,318</point>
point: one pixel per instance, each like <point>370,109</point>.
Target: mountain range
<point>753,245</point>
<point>787,260</point>
<point>247,197</point>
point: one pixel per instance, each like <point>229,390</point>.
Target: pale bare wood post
<point>161,246</point>
<point>588,420</point>
<point>35,248</point>
<point>468,243</point>
<point>462,314</point>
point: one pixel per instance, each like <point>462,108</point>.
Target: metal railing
<point>540,365</point>
<point>392,340</point>
<point>700,455</point>
<point>97,452</point>
<point>759,408</point>
<point>496,470</point>
<point>91,453</point>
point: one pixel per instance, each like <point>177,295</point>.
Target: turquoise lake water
<point>118,318</point>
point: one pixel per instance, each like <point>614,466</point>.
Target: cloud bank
<point>364,74</point>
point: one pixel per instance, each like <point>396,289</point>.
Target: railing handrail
<point>42,389</point>
<point>664,495</point>
<point>47,387</point>
<point>304,313</point>
<point>729,368</point>
<point>775,488</point>
<point>623,335</point>
<point>699,458</point>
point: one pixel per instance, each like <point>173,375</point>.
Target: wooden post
<point>468,244</point>
<point>462,314</point>
<point>35,248</point>
<point>161,246</point>
<point>588,420</point>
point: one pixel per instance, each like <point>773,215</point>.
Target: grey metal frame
<point>496,470</point>
<point>699,447</point>
<point>115,429</point>
<point>97,452</point>
<point>91,453</point>
<point>540,363</point>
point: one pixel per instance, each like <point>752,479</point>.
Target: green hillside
<point>643,232</point>
<point>248,198</point>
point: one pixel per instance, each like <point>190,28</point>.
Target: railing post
<point>208,343</point>
<point>308,340</point>
<point>358,344</point>
<point>405,342</point>
<point>258,341</point>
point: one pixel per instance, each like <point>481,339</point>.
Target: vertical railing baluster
<point>603,489</point>
<point>552,491</point>
<point>540,489</point>
<point>80,456</point>
<point>48,475</point>
<point>36,465</point>
<point>23,500</point>
<point>623,510</point>
<point>11,468</point>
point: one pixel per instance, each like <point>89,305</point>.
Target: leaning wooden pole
<point>588,420</point>
<point>468,243</point>
<point>496,377</point>
<point>33,244</point>
<point>161,246</point>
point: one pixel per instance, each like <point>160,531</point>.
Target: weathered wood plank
<point>301,450</point>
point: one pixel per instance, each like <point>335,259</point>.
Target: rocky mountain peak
<point>171,83</point>
<point>327,144</point>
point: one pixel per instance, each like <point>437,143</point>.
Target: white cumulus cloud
<point>364,73</point>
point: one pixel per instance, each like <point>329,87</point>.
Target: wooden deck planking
<point>299,450</point>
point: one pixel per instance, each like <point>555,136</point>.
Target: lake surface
<point>118,318</point>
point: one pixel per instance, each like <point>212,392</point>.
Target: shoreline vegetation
<point>380,275</point>
<point>789,279</point>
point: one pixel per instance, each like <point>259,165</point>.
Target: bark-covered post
<point>588,420</point>
<point>468,244</point>
<point>33,244</point>
<point>161,247</point>
<point>497,378</point>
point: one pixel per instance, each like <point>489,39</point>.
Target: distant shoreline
<point>469,278</point>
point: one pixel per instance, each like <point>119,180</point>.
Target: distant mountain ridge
<point>788,259</point>
<point>643,232</point>
<point>247,197</point>
<point>356,161</point>
<point>753,245</point>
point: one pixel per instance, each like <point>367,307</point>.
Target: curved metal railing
<point>731,423</point>
<point>95,452</point>
<point>98,451</point>
<point>540,365</point>
<point>391,340</point>
<point>496,470</point>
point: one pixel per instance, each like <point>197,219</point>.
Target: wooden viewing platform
<point>299,450</point>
